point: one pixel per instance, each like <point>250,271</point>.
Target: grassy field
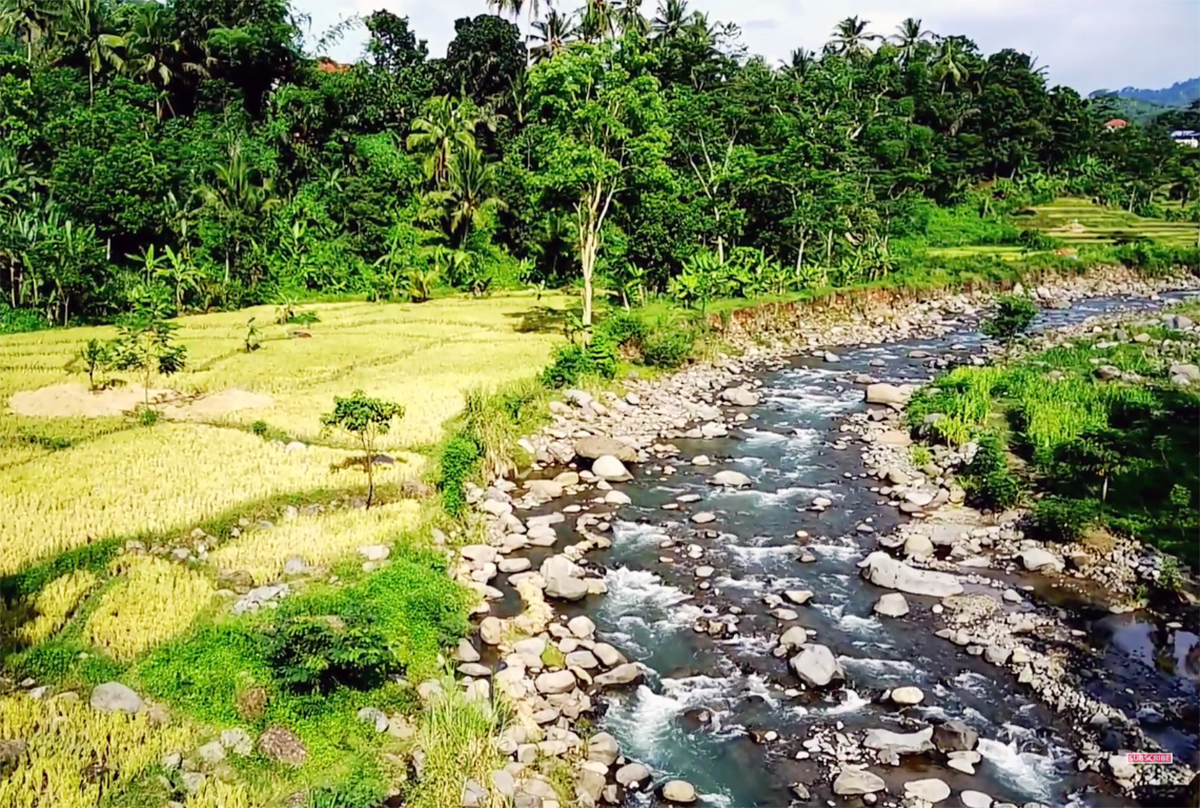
<point>1079,221</point>
<point>215,502</point>
<point>1091,432</point>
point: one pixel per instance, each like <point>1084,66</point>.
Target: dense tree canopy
<point>623,145</point>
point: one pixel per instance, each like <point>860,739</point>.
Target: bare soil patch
<point>72,400</point>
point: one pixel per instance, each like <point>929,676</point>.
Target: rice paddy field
<point>1080,221</point>
<point>118,540</point>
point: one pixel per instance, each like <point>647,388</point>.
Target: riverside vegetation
<point>245,615</point>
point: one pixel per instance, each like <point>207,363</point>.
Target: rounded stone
<point>679,791</point>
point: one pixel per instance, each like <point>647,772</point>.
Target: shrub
<point>458,461</point>
<point>1013,314</point>
<point>96,357</point>
<point>319,654</point>
<point>988,477</point>
<point>623,329</point>
<point>148,416</point>
<point>20,321</point>
<point>1064,519</point>
<point>667,348</point>
<point>574,362</point>
<point>259,428</point>
<point>366,420</point>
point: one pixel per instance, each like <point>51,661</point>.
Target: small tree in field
<point>145,343</point>
<point>1013,315</point>
<point>96,356</point>
<point>366,420</point>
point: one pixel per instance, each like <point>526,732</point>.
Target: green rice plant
<point>920,455</point>
<point>456,735</point>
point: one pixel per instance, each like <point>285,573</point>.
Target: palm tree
<point>239,196</point>
<point>801,63</point>
<point>850,38</point>
<point>949,64</point>
<point>599,20</point>
<point>908,38</point>
<point>470,195</point>
<point>552,35</point>
<point>515,7</point>
<point>153,52</point>
<point>445,125</point>
<point>29,22</point>
<point>85,27</point>
<point>670,21</point>
<point>630,18</point>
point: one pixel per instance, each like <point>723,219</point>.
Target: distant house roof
<point>1116,123</point>
<point>1185,134</point>
<point>327,65</point>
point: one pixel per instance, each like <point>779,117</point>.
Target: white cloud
<point>1087,44</point>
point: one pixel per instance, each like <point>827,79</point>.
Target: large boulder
<point>610,468</point>
<point>816,666</point>
<point>1036,559</point>
<point>626,674</point>
<point>892,604</point>
<point>631,775</point>
<point>889,394</point>
<point>730,479</point>
<point>595,447</point>
<point>955,736</point>
<point>564,578</point>
<point>930,790</point>
<point>554,683</point>
<point>679,791</point>
<point>882,570</point>
<point>899,743</point>
<point>855,782</point>
<point>741,396</point>
<point>112,697</point>
<point>544,489</point>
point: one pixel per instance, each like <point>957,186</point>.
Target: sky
<point>1086,44</point>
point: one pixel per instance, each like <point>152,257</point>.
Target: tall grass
<point>456,735</point>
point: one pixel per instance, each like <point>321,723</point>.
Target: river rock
<point>582,627</point>
<point>544,489</point>
<point>730,479</point>
<point>907,696</point>
<point>975,799</point>
<point>491,630</point>
<point>1191,373</point>
<point>611,469</point>
<point>955,736</point>
<point>632,775</point>
<point>617,498</point>
<point>626,674</point>
<point>603,748</point>
<point>557,682</point>
<point>609,657</point>
<point>892,604</point>
<point>882,570</point>
<point>704,517</point>
<point>899,743</point>
<point>564,578</point>
<point>930,790</point>
<point>854,782</point>
<point>888,394</point>
<point>918,545</point>
<point>794,637</point>
<point>741,396</point>
<point>679,791</point>
<point>113,697</point>
<point>799,596</point>
<point>1035,559</point>
<point>816,666</point>
<point>594,448</point>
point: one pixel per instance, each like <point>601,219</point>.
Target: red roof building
<point>1116,123</point>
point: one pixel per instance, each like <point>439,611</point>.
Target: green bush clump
<point>622,328</point>
<point>668,347</point>
<point>988,477</point>
<point>575,362</point>
<point>317,655</point>
<point>1013,315</point>
<point>20,321</point>
<point>1063,519</point>
<point>458,461</point>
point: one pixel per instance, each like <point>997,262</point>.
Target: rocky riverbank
<point>554,670</point>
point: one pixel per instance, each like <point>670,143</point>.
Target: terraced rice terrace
<point>1079,222</point>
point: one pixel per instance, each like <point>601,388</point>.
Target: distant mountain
<point>1178,95</point>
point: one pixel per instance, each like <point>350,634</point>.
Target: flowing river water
<point>701,712</point>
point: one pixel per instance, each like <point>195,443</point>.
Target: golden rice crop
<point>152,601</point>
<point>148,480</point>
<point>320,539</point>
<point>54,604</point>
<point>67,739</point>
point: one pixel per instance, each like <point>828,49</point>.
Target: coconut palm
<point>153,52</point>
<point>552,35</point>
<point>85,28</point>
<point>445,125</point>
<point>515,7</point>
<point>909,38</point>
<point>850,38</point>
<point>671,20</point>
<point>599,20</point>
<point>801,63</point>
<point>470,195</point>
<point>630,18</point>
<point>949,66</point>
